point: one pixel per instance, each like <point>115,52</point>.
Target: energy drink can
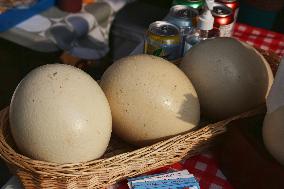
<point>163,40</point>
<point>223,19</point>
<point>196,4</point>
<point>233,4</point>
<point>185,19</point>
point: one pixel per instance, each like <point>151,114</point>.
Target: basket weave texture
<point>104,172</point>
<point>111,168</point>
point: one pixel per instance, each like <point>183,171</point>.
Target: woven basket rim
<point>83,169</point>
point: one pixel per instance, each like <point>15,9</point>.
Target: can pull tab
<point>165,29</point>
<point>206,20</point>
<point>185,13</point>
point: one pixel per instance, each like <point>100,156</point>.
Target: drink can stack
<point>204,26</point>
<point>185,19</point>
<point>168,38</point>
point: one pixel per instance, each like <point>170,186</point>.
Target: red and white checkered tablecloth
<point>261,38</point>
<point>204,166</point>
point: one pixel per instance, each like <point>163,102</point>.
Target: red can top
<point>233,4</point>
<point>223,15</point>
<point>220,10</point>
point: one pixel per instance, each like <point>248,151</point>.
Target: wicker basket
<point>120,161</point>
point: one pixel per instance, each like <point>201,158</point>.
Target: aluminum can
<point>163,40</point>
<point>185,19</point>
<point>223,19</point>
<point>233,4</point>
<point>196,4</point>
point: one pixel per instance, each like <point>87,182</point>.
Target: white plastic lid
<point>205,20</point>
<point>210,4</point>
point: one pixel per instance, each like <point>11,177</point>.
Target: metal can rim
<point>152,25</point>
<point>173,9</point>
<point>223,6</point>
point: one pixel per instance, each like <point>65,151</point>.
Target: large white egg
<point>273,134</point>
<point>230,77</point>
<point>59,114</point>
<point>150,99</point>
